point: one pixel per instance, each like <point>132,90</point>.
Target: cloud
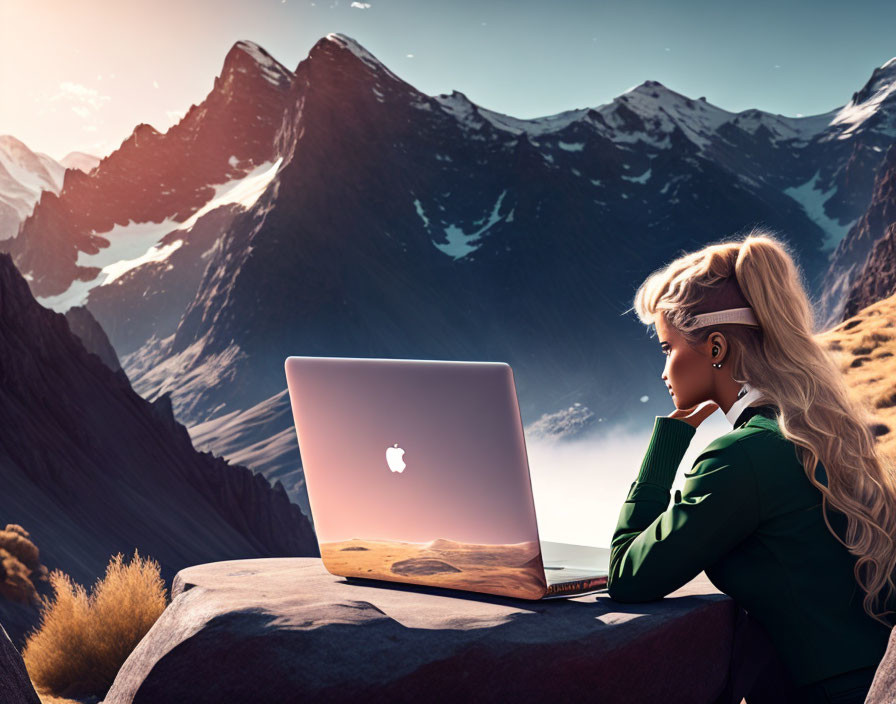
<point>580,480</point>
<point>360,5</point>
<point>89,98</point>
<point>83,101</point>
<point>566,423</point>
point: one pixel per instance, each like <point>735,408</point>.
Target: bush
<point>82,640</point>
<point>20,568</point>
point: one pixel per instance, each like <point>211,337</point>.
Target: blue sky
<point>80,76</point>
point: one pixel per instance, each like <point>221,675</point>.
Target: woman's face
<point>688,371</point>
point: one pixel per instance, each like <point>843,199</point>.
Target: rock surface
<point>92,336</point>
<point>883,688</point>
<point>284,629</point>
<point>91,469</point>
<point>15,685</point>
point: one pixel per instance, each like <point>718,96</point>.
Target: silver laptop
<point>417,472</point>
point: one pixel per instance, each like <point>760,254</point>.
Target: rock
<point>15,685</point>
<point>82,324</point>
<point>883,688</point>
<point>92,469</point>
<point>285,629</point>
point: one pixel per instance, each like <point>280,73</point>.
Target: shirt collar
<point>747,396</point>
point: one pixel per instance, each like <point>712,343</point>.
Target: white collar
<point>749,396</point>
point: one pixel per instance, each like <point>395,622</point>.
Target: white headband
<point>729,315</point>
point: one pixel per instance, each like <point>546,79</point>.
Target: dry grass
<point>83,639</point>
<point>865,349</point>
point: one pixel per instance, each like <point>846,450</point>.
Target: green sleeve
<point>657,548</point>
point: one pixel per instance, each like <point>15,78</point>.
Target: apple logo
<point>393,458</point>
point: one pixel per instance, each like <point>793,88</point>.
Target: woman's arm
<point>657,548</point>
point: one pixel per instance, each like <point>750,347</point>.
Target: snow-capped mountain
<point>104,223</point>
<point>868,121</point>
<point>81,161</point>
<point>401,224</point>
<point>24,176</point>
<point>382,221</point>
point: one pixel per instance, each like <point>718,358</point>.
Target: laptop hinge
<point>577,586</point>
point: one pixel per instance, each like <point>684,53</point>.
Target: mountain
<point>90,468</point>
<point>262,437</point>
<point>868,121</point>
<point>155,184</point>
<point>24,176</point>
<point>404,225</point>
<point>874,278</point>
<point>85,327</point>
<point>81,161</point>
<point>381,221</point>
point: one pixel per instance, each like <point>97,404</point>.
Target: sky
<point>80,76</point>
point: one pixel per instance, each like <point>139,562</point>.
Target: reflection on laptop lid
<point>417,472</point>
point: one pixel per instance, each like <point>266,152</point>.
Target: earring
<point>715,351</point>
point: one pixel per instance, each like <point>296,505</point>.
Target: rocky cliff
<point>92,469</point>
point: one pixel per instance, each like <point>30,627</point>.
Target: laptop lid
<point>417,472</point>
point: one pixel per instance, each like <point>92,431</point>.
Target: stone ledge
<point>285,629</point>
<point>15,685</point>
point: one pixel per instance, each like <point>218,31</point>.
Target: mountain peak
<point>889,65</point>
<point>862,111</point>
<point>345,43</point>
<point>647,85</point>
<point>883,80</point>
<point>247,57</point>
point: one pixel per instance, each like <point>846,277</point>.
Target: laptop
<point>417,472</point>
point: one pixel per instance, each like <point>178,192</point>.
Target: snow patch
<point>459,243</point>
<point>853,115</point>
<point>360,52</point>
<point>812,200</point>
<point>643,178</point>
<point>185,375</point>
<point>135,244</point>
<point>419,208</point>
<point>471,116</point>
<point>244,190</point>
<point>271,71</point>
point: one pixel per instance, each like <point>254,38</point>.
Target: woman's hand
<point>696,415</point>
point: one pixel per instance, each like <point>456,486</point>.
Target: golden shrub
<point>83,639</point>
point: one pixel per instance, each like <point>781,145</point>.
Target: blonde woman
<point>793,512</point>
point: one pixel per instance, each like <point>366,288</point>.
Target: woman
<point>793,512</point>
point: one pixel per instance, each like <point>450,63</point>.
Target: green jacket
<point>751,520</point>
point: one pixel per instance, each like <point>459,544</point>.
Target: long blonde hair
<point>783,359</point>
